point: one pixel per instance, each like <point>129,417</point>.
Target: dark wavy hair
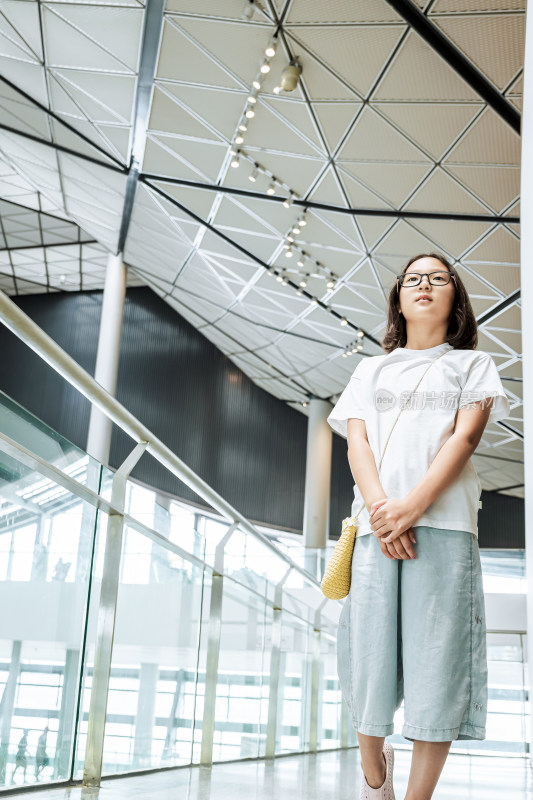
<point>462,325</point>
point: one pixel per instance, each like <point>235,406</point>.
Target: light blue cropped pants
<point>414,630</point>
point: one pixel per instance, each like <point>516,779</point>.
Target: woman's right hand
<point>402,545</point>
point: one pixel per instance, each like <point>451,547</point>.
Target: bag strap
<point>398,415</point>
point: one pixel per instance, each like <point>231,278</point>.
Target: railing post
<point>270,746</point>
<point>315,679</point>
<point>106,622</point>
<point>213,649</point>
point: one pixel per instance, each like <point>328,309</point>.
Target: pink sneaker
<point>386,791</point>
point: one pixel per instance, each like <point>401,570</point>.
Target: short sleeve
<point>483,380</point>
<point>350,404</point>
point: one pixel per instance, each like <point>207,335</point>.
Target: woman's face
<point>441,295</point>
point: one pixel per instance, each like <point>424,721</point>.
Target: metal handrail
<point>49,351</point>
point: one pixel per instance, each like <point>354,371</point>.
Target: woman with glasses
<point>412,628</point>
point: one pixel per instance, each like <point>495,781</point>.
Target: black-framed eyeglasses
<point>436,278</point>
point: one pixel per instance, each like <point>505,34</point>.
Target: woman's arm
<point>395,516</point>
<point>362,462</point>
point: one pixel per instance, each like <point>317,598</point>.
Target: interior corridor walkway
<point>324,776</point>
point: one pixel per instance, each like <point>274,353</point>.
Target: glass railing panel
<point>329,696</point>
<point>27,430</point>
<point>294,692</point>
<point>46,544</point>
<point>150,712</point>
<point>243,680</point>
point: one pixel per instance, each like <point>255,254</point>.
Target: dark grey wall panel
<point>243,441</point>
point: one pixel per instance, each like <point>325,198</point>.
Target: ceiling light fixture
<point>288,254</point>
<point>256,84</point>
<point>344,321</point>
<point>271,189</point>
<point>248,10</point>
<point>239,139</point>
<point>271,48</point>
<point>235,162</point>
<point>249,113</point>
<point>290,77</point>
<point>252,98</point>
<point>253,175</point>
<point>288,200</point>
<point>265,68</point>
<point>243,126</point>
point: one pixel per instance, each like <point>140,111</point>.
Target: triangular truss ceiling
<point>381,126</point>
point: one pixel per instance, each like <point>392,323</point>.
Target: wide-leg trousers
<point>414,631</point>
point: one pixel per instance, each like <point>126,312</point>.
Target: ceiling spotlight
<point>299,292</point>
<point>303,284</point>
<point>249,113</point>
<point>330,284</point>
<point>265,67</point>
<point>288,254</point>
<point>276,89</point>
<point>284,281</point>
<point>253,175</point>
<point>344,321</point>
<point>248,10</point>
<point>302,223</point>
<point>290,77</point>
<point>296,229</point>
<point>360,333</point>
<point>62,278</point>
<point>271,48</point>
<point>314,301</point>
<point>301,262</point>
<point>290,239</point>
<point>256,84</point>
<point>271,189</point>
<point>252,98</point>
<point>235,160</point>
<point>279,278</point>
<point>239,139</point>
<point>304,404</point>
<point>359,347</point>
<point>243,126</point>
<point>288,201</point>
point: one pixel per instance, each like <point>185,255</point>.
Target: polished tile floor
<point>325,776</point>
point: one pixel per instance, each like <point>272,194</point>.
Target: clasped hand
<point>391,522</point>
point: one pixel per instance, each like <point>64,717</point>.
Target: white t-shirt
<point>374,393</point>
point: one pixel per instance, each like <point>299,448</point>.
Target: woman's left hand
<point>392,518</point>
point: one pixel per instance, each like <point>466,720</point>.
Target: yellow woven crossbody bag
<point>337,578</point>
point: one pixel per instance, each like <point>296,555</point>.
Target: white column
<point>99,436</point>
<point>526,259</point>
<point>317,474</point>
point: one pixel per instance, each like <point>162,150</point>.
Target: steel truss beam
<point>436,39</point>
<point>356,212</point>
<point>151,40</point>
<point>44,246</point>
